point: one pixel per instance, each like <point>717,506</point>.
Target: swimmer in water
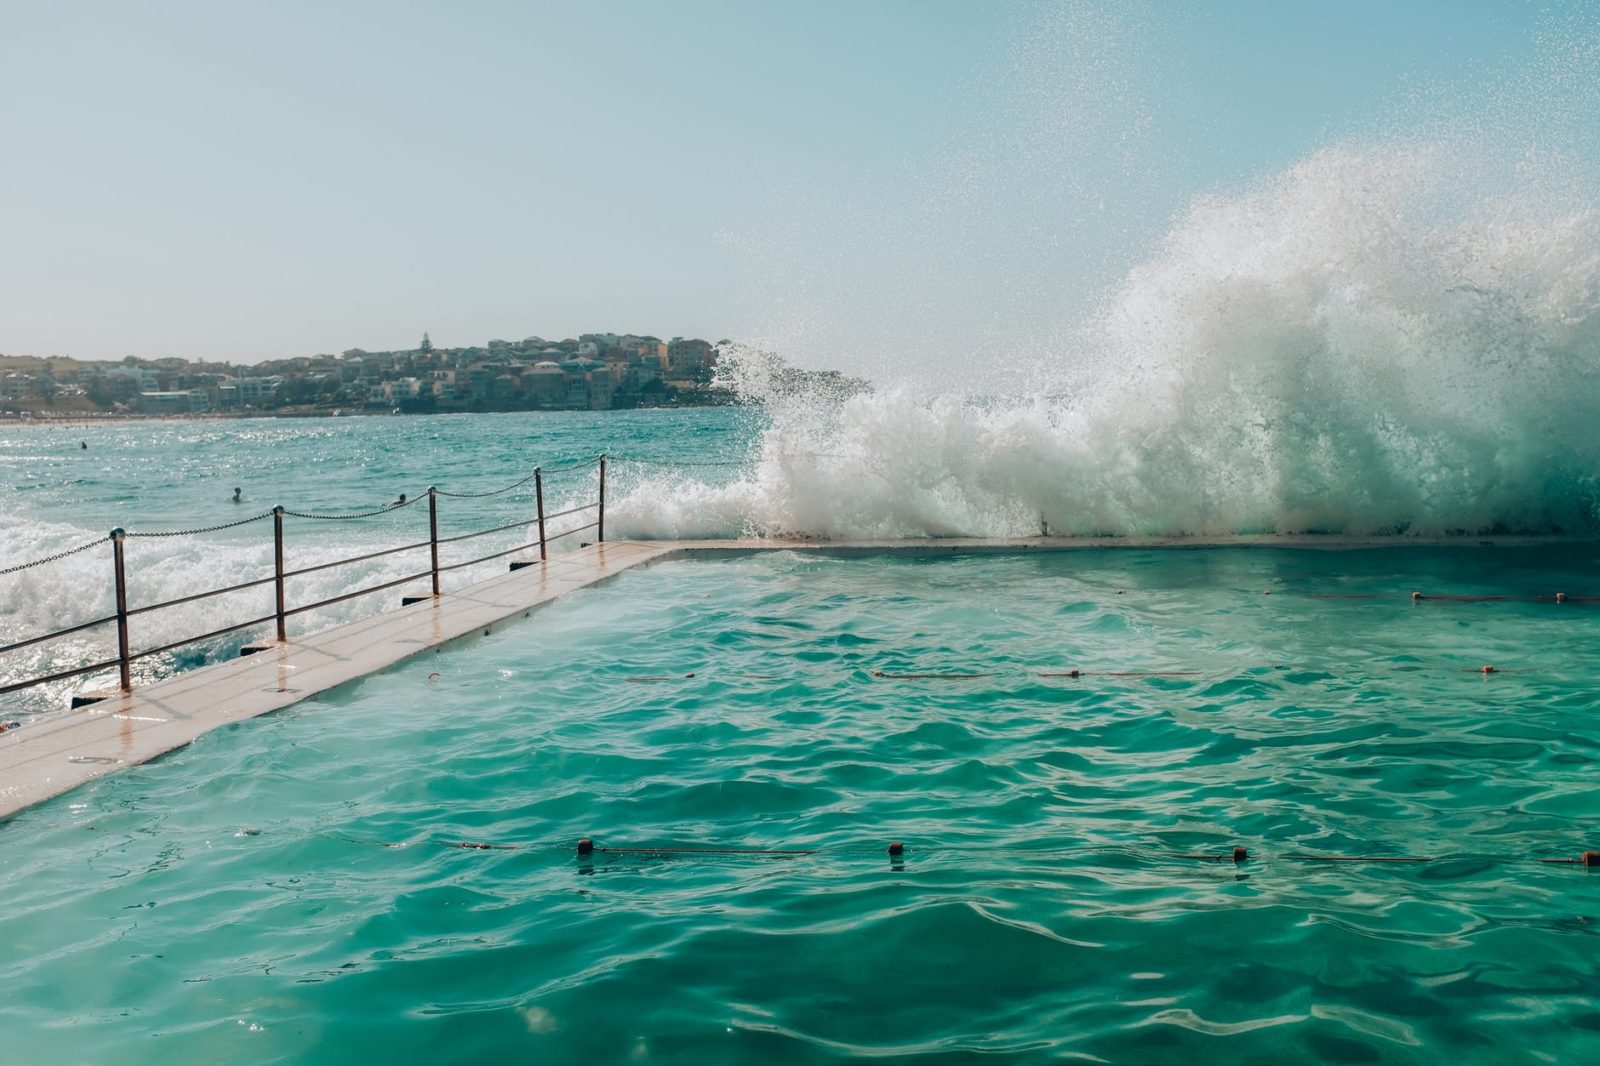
<point>398,502</point>
<point>84,445</point>
<point>236,498</point>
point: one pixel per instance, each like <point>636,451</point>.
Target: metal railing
<point>282,610</point>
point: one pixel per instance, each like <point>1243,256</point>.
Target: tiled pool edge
<point>46,759</point>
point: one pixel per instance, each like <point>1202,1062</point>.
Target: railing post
<point>433,533</point>
<point>538,495</point>
<point>122,609</point>
<point>600,534</point>
<point>277,569</point>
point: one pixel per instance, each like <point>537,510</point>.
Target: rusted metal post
<point>433,533</point>
<point>538,495</point>
<point>277,568</point>
<point>122,609</point>
<point>600,533</point>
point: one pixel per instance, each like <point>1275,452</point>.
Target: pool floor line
<point>49,757</point>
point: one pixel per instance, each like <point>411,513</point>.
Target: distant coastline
<point>591,372</point>
<point>595,371</point>
<point>67,418</point>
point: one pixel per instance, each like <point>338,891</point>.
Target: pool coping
<point>47,758</point>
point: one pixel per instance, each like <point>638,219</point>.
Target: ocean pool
<point>290,889</point>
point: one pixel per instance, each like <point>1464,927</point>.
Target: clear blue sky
<point>245,181</point>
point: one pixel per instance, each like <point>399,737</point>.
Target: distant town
<point>593,372</point>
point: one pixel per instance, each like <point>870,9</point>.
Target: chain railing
<point>282,610</point>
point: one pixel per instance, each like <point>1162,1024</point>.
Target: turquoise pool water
<point>285,890</point>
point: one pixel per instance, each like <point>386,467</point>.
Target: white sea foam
<point>79,588</point>
<point>1365,343</point>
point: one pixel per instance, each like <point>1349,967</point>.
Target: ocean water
<point>288,889</point>
<point>180,475</point>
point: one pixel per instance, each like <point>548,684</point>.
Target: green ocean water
<point>286,889</point>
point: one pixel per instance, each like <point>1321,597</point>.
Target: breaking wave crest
<point>1366,343</point>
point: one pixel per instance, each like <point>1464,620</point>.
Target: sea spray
<point>1366,343</point>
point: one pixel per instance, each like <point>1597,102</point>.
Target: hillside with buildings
<point>593,372</point>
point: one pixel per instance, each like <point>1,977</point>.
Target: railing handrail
<point>93,668</point>
<point>304,570</point>
<point>486,558</point>
<point>240,587</point>
<point>572,510</point>
<point>58,633</point>
<point>358,592</point>
<point>579,529</point>
<point>479,533</point>
<point>279,576</point>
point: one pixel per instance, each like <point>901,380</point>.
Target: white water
<point>1369,342</point>
<point>79,588</point>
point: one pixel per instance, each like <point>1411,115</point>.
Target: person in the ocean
<point>84,445</point>
<point>236,498</point>
<point>398,502</point>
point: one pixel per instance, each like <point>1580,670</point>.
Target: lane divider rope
<point>586,847</point>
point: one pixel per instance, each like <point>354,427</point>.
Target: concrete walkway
<point>46,758</point>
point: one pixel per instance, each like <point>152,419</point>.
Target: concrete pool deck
<point>46,758</point>
<point>49,757</point>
